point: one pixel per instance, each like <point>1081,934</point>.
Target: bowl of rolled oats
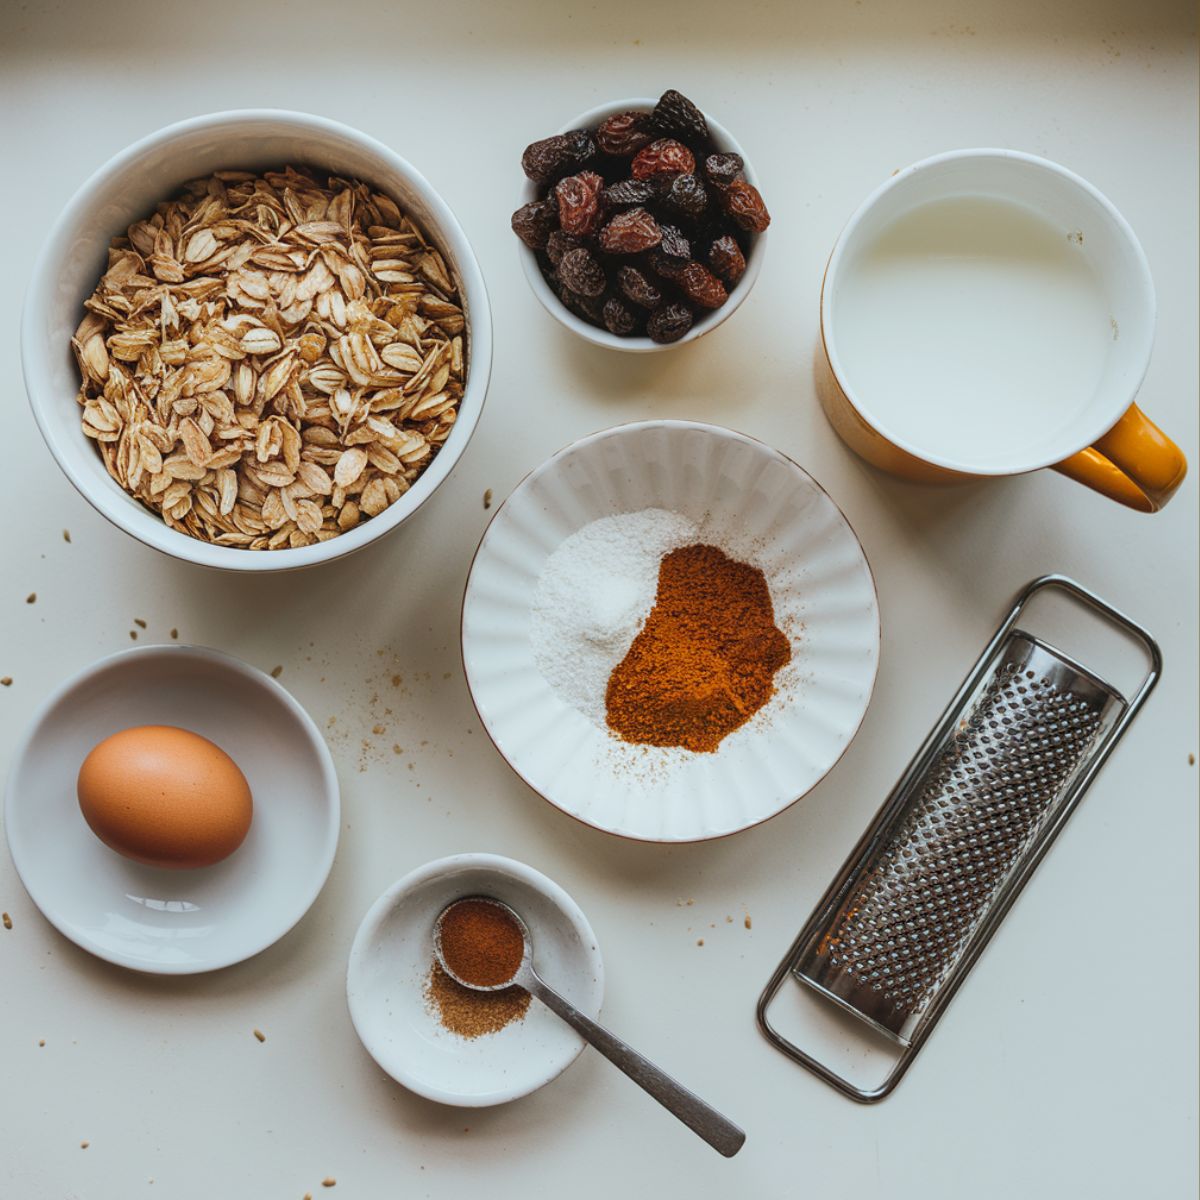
<point>257,340</point>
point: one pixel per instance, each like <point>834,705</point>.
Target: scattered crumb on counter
<point>7,920</point>
<point>133,634</point>
<point>397,749</point>
<point>31,598</point>
<point>699,941</point>
<point>378,729</point>
<point>308,1196</point>
<point>487,498</point>
<point>329,1181</point>
<point>139,622</point>
<point>175,635</point>
<point>84,1145</point>
<point>6,681</point>
<point>67,536</point>
<point>747,922</point>
<point>1191,757</point>
<point>41,1041</point>
<point>728,920</point>
<point>277,671</point>
<point>258,1033</point>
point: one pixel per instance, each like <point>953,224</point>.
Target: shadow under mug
<point>1112,447</point>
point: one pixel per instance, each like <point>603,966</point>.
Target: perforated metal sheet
<point>924,885</point>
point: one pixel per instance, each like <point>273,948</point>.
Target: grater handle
<point>836,891</point>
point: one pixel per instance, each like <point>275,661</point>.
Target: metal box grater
<point>925,888</point>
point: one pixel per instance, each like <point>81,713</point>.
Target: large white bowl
<point>390,962</point>
<point>725,142</point>
<point>126,188</point>
<point>760,507</point>
<point>160,921</point>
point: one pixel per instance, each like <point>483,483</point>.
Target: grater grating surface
<point>930,878</point>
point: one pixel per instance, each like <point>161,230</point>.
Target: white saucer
<point>390,961</point>
<point>760,507</point>
<point>146,918</point>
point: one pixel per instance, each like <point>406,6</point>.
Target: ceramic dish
<point>126,188</point>
<point>390,961</point>
<point>724,142</point>
<point>146,918</point>
<point>760,507</point>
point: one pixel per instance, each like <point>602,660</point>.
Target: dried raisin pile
<point>642,225</point>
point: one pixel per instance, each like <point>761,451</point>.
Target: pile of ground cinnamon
<point>472,1014</point>
<point>705,660</point>
<point>483,945</point>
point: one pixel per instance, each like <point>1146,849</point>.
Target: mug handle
<point>1134,463</point>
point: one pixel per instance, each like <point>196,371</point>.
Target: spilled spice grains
<point>472,1014</point>
<point>705,660</point>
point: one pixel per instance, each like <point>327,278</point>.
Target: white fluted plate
<point>758,506</point>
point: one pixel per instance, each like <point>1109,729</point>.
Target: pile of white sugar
<point>594,595</point>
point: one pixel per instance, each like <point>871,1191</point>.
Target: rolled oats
<point>269,360</point>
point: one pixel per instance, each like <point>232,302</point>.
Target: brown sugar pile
<point>704,662</point>
<point>472,1014</point>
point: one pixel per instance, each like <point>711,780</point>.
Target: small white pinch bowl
<point>127,188</point>
<point>726,144</point>
<point>760,507</point>
<point>390,962</point>
<point>168,922</point>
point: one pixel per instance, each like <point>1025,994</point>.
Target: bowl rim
<point>634,427</point>
<point>307,727</point>
<point>396,893</point>
<point>642,345</point>
<point>148,527</point>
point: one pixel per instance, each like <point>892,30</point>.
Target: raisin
<point>723,169</point>
<point>624,134</point>
<point>743,203</point>
<point>675,114</point>
<point>701,286</point>
<point>559,155</point>
<point>669,323</point>
<point>630,232</point>
<point>674,242</point>
<point>687,196</point>
<point>664,265</point>
<point>558,243</point>
<point>629,192</point>
<point>638,288</point>
<point>618,317</point>
<point>664,155</point>
<point>590,308</point>
<point>580,272</point>
<point>533,223</point>
<point>579,203</point>
<point>725,257</point>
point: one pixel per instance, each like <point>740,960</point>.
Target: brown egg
<point>165,797</point>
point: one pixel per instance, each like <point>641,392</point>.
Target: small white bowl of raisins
<point>641,227</point>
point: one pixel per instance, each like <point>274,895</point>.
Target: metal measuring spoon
<point>719,1132</point>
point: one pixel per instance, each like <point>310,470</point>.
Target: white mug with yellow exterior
<point>987,313</point>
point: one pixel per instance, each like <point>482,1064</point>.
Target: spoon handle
<point>719,1132</point>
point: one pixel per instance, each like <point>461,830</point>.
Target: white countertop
<point>1066,1066</point>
